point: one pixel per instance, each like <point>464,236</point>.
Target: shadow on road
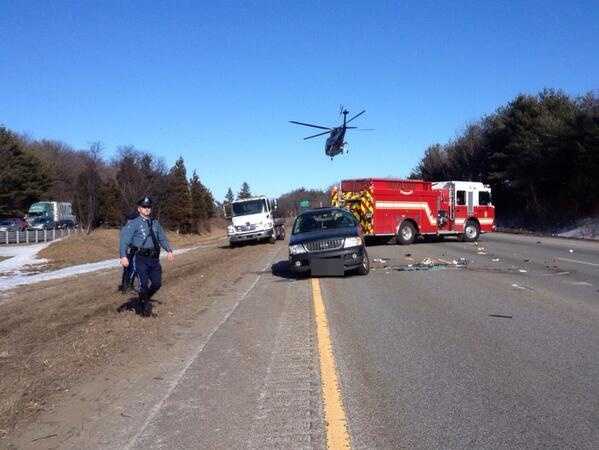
<point>133,304</point>
<point>281,269</point>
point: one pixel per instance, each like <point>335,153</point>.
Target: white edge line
<point>578,262</point>
<point>174,383</point>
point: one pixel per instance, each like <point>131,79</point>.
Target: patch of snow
<point>20,256</point>
<point>586,229</point>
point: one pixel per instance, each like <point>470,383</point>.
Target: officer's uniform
<point>136,243</point>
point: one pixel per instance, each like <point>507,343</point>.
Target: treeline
<point>288,204</point>
<point>103,193</point>
<point>539,153</point>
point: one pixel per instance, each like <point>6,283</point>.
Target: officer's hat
<point>146,202</point>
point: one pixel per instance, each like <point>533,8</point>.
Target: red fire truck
<point>408,208</point>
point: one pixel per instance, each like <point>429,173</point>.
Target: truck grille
<point>324,244</point>
<point>251,227</point>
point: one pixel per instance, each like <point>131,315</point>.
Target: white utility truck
<point>252,220</point>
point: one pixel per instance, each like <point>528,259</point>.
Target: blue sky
<point>217,82</point>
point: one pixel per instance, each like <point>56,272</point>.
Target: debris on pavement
<point>501,316</point>
<point>522,270</point>
<point>495,260</point>
<point>571,251</point>
<point>380,260</point>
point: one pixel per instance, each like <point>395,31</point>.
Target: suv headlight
<point>352,242</point>
<point>296,249</point>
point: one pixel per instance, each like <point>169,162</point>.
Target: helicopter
<point>335,142</point>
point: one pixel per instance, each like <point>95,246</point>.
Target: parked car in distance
<point>327,241</point>
<point>13,224</point>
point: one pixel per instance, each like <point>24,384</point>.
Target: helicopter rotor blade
<point>359,114</point>
<point>310,125</point>
<point>316,135</point>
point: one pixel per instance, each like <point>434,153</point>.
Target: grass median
<point>102,244</point>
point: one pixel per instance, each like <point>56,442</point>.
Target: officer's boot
<point>145,307</point>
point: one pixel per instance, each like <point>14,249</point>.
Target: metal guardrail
<point>34,236</point>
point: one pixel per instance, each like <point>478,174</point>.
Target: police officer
<point>141,239</point>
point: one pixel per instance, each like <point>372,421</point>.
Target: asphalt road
<point>497,351</point>
<point>501,353</point>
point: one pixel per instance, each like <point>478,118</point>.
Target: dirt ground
<point>57,335</point>
<point>101,244</point>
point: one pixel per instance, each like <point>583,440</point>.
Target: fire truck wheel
<point>406,233</point>
<point>471,231</point>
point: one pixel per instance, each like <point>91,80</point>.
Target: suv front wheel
<point>365,266</point>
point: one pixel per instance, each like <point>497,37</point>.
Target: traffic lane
<point>528,265</point>
<point>582,256</point>
<point>543,266</point>
<point>558,244</point>
<point>254,384</point>
<point>433,359</point>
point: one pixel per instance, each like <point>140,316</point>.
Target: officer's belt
<point>147,252</point>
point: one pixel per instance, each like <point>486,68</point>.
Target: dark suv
<point>327,241</point>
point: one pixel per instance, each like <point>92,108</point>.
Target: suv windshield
<point>323,220</point>
<point>249,207</point>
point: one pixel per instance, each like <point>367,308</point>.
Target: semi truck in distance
<point>50,215</point>
<point>252,219</point>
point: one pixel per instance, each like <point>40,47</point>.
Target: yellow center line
<point>334,413</point>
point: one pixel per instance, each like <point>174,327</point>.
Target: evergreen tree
<point>109,207</point>
<point>198,206</point>
<point>209,202</point>
<point>202,204</point>
<point>178,207</point>
<point>245,191</point>
<point>229,197</point>
<point>22,178</point>
<point>540,153</point>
